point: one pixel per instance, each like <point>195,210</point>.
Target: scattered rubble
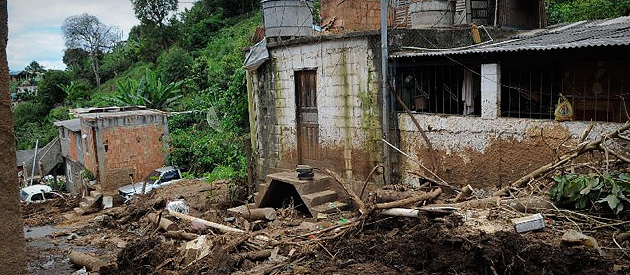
<point>191,227</point>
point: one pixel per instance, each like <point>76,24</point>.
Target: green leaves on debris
<point>585,190</point>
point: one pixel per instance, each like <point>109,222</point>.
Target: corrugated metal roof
<point>584,34</point>
<point>72,124</point>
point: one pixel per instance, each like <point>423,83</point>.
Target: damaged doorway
<point>307,123</point>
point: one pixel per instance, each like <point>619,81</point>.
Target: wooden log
<point>408,201</point>
<point>164,223</point>
<point>401,212</point>
<point>220,227</point>
<point>464,194</point>
<point>180,235</point>
<point>391,195</point>
<point>90,263</point>
<point>255,214</point>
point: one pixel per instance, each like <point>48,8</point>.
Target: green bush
<point>611,189</point>
<point>578,10</point>
<point>49,91</point>
<point>175,64</point>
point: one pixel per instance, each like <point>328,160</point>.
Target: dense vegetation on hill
<point>191,61</point>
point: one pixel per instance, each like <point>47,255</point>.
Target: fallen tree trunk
<point>391,195</point>
<point>581,149</point>
<point>90,263</point>
<point>164,223</point>
<point>408,201</point>
<point>181,235</point>
<point>524,205</point>
<point>220,227</point>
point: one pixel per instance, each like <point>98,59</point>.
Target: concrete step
<point>84,205</point>
<point>91,200</point>
<point>319,198</point>
<point>79,211</point>
<point>96,194</point>
<point>313,186</point>
<point>329,209</point>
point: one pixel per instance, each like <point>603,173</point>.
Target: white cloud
<point>35,26</point>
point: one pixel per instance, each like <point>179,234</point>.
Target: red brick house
<point>118,145</point>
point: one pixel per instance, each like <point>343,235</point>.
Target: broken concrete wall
<point>347,104</point>
<point>487,152</point>
<point>73,176</point>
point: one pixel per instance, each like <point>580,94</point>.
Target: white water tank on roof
<point>287,18</point>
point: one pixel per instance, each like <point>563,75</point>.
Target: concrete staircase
<point>90,204</point>
<point>317,194</point>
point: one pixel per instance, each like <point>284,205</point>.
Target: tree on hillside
<point>157,27</point>
<point>154,12</point>
<point>86,32</point>
<point>49,91</point>
<point>34,69</point>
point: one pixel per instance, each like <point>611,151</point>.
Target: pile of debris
<point>433,228</point>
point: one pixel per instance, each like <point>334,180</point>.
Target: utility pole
<point>386,97</point>
<point>13,259</point>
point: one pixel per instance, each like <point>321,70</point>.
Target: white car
<point>37,193</point>
<point>158,178</point>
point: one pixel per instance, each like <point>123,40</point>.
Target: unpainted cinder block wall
<point>126,145</point>
<point>136,146</point>
<point>353,15</point>
<point>347,103</point>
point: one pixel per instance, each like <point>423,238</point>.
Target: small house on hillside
<point>488,107</point>
<point>117,145</point>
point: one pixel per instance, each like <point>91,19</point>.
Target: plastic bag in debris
<point>81,271</point>
<point>564,110</point>
<point>178,206</point>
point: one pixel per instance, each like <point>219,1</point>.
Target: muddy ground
<point>470,241</point>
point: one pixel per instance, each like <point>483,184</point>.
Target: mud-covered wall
<point>347,103</point>
<point>488,152</point>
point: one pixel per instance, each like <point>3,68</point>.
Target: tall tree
<point>33,69</point>
<point>86,32</point>
<point>154,12</point>
<point>13,250</point>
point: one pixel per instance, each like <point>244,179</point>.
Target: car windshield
<point>155,175</point>
<point>23,195</point>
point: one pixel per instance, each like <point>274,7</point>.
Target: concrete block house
<point>118,145</point>
<point>487,107</point>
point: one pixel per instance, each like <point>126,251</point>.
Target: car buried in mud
<point>37,193</point>
<point>156,179</point>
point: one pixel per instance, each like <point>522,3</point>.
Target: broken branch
<point>220,227</point>
<point>423,197</point>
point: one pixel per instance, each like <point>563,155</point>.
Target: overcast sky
<point>35,27</point>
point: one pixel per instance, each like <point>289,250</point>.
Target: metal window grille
<point>596,90</point>
<point>440,89</point>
